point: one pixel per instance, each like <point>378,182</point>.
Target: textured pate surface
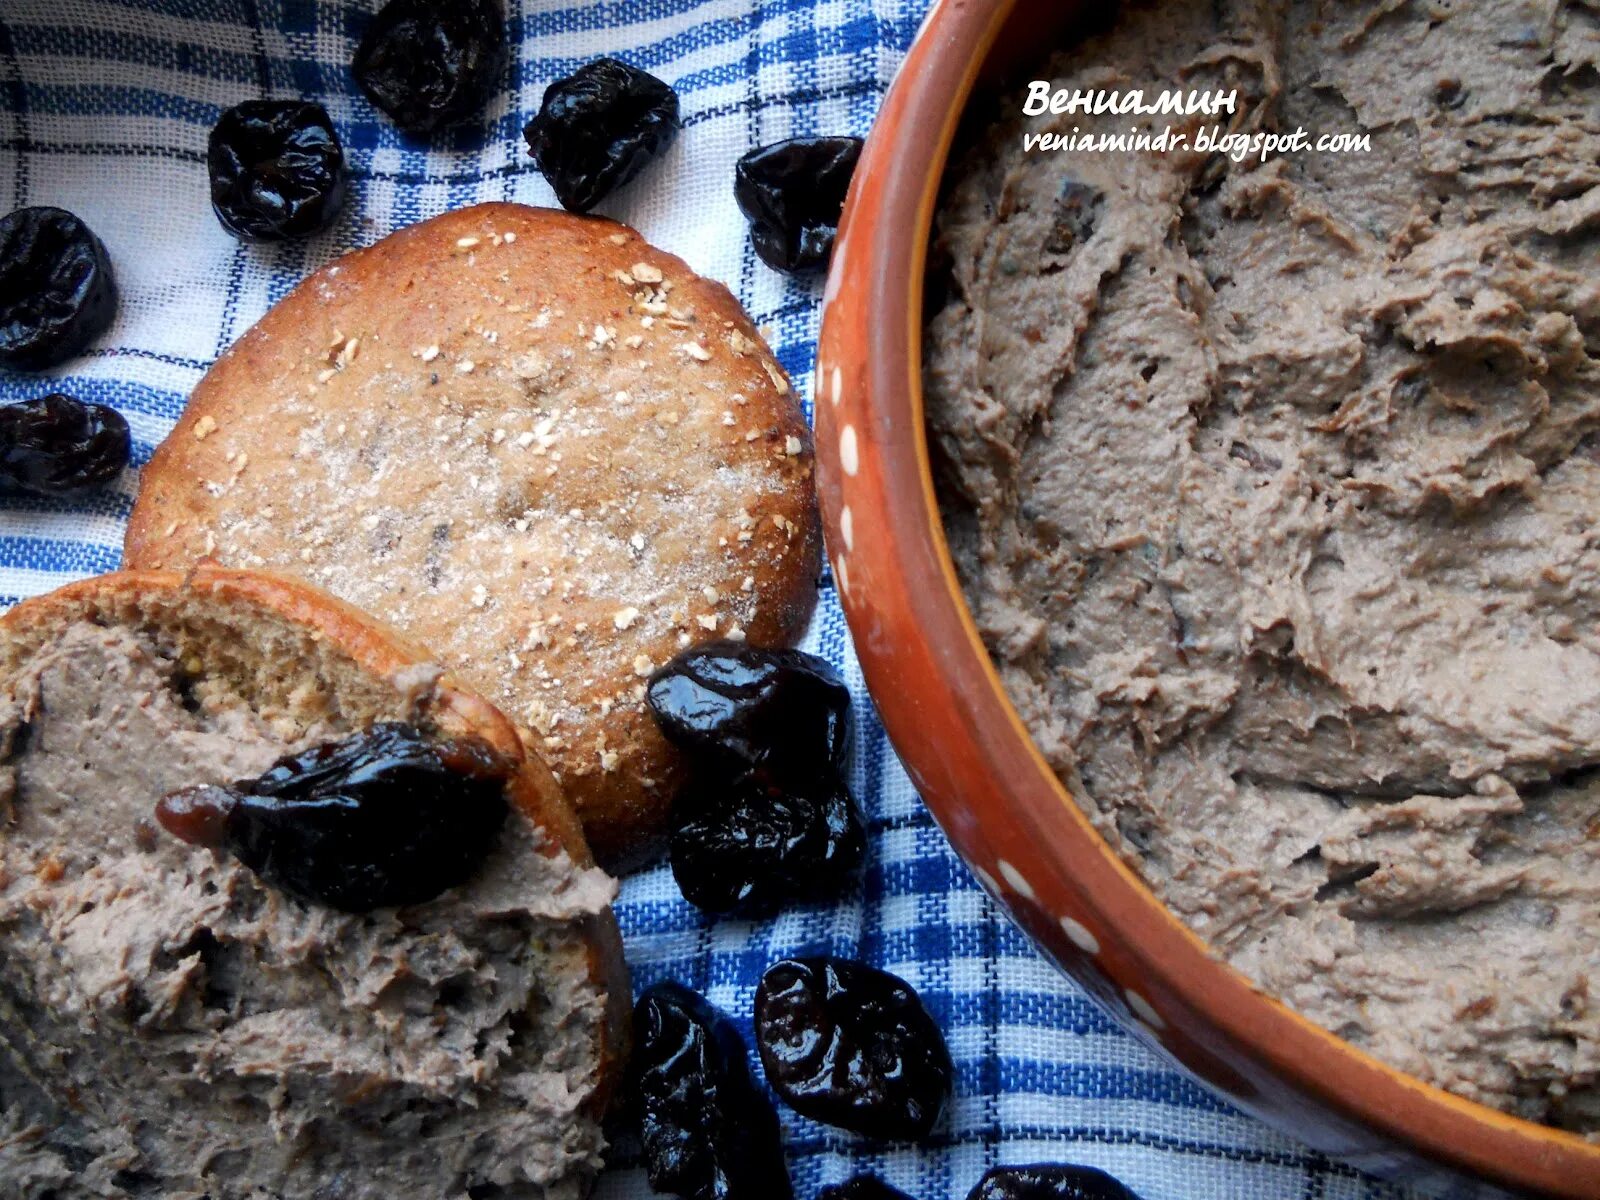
<point>1273,490</point>
<point>169,1026</point>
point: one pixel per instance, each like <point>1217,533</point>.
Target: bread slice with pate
<point>174,1023</point>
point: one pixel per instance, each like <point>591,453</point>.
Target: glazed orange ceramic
<point>971,757</point>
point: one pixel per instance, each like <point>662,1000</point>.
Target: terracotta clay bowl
<point>971,757</point>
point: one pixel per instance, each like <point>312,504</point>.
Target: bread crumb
<point>642,666</point>
<point>618,239</point>
<point>708,623</point>
<point>624,618</point>
<point>792,446</point>
<point>466,243</point>
<point>465,367</point>
<point>510,237</point>
<point>695,351</point>
<point>735,634</point>
<point>645,273</point>
<point>480,596</point>
<point>204,427</point>
<point>429,354</point>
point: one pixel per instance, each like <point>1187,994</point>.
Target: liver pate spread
<point>1275,492</point>
<point>169,1026</point>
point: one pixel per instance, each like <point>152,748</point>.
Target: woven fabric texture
<point>104,109</point>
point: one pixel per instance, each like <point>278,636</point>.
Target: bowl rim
<point>880,271</point>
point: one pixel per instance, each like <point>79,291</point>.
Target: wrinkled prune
<point>708,1132</point>
<point>792,193</point>
<point>377,820</point>
<point>57,444</point>
<point>277,169</point>
<point>743,706</point>
<point>429,65</point>
<point>862,1187</point>
<point>1049,1183</point>
<point>852,1046</point>
<point>56,289</point>
<point>598,127</point>
<point>753,839</point>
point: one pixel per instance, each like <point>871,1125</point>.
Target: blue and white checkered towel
<point>104,109</point>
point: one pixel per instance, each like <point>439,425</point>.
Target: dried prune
<point>743,706</point>
<point>382,818</point>
<point>708,1132</point>
<point>57,293</point>
<point>430,65</point>
<point>57,444</point>
<point>277,169</point>
<point>1046,1182</point>
<point>598,127</point>
<point>862,1187</point>
<point>792,193</point>
<point>753,839</point>
<point>850,1045</point>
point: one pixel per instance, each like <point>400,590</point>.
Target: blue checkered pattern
<point>104,109</point>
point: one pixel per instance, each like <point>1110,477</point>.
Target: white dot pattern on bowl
<point>836,381</point>
<point>1142,1009</point>
<point>1079,936</point>
<point>849,452</point>
<point>1019,882</point>
<point>847,528</point>
<point>841,575</point>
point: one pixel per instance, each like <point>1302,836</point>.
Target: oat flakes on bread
<point>172,1025</point>
<point>537,444</point>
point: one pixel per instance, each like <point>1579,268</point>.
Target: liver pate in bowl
<point>1269,483</point>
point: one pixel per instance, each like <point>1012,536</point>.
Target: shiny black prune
<point>380,819</point>
<point>598,128</point>
<point>792,194</point>
<point>852,1046</point>
<point>57,444</point>
<point>277,169</point>
<point>753,839</point>
<point>862,1187</point>
<point>57,293</point>
<point>429,65</point>
<point>1046,1182</point>
<point>708,1132</point>
<point>743,706</point>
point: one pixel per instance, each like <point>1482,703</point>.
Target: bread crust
<point>382,653</point>
<point>678,503</point>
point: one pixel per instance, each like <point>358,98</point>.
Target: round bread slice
<point>170,1024</point>
<point>541,447</point>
